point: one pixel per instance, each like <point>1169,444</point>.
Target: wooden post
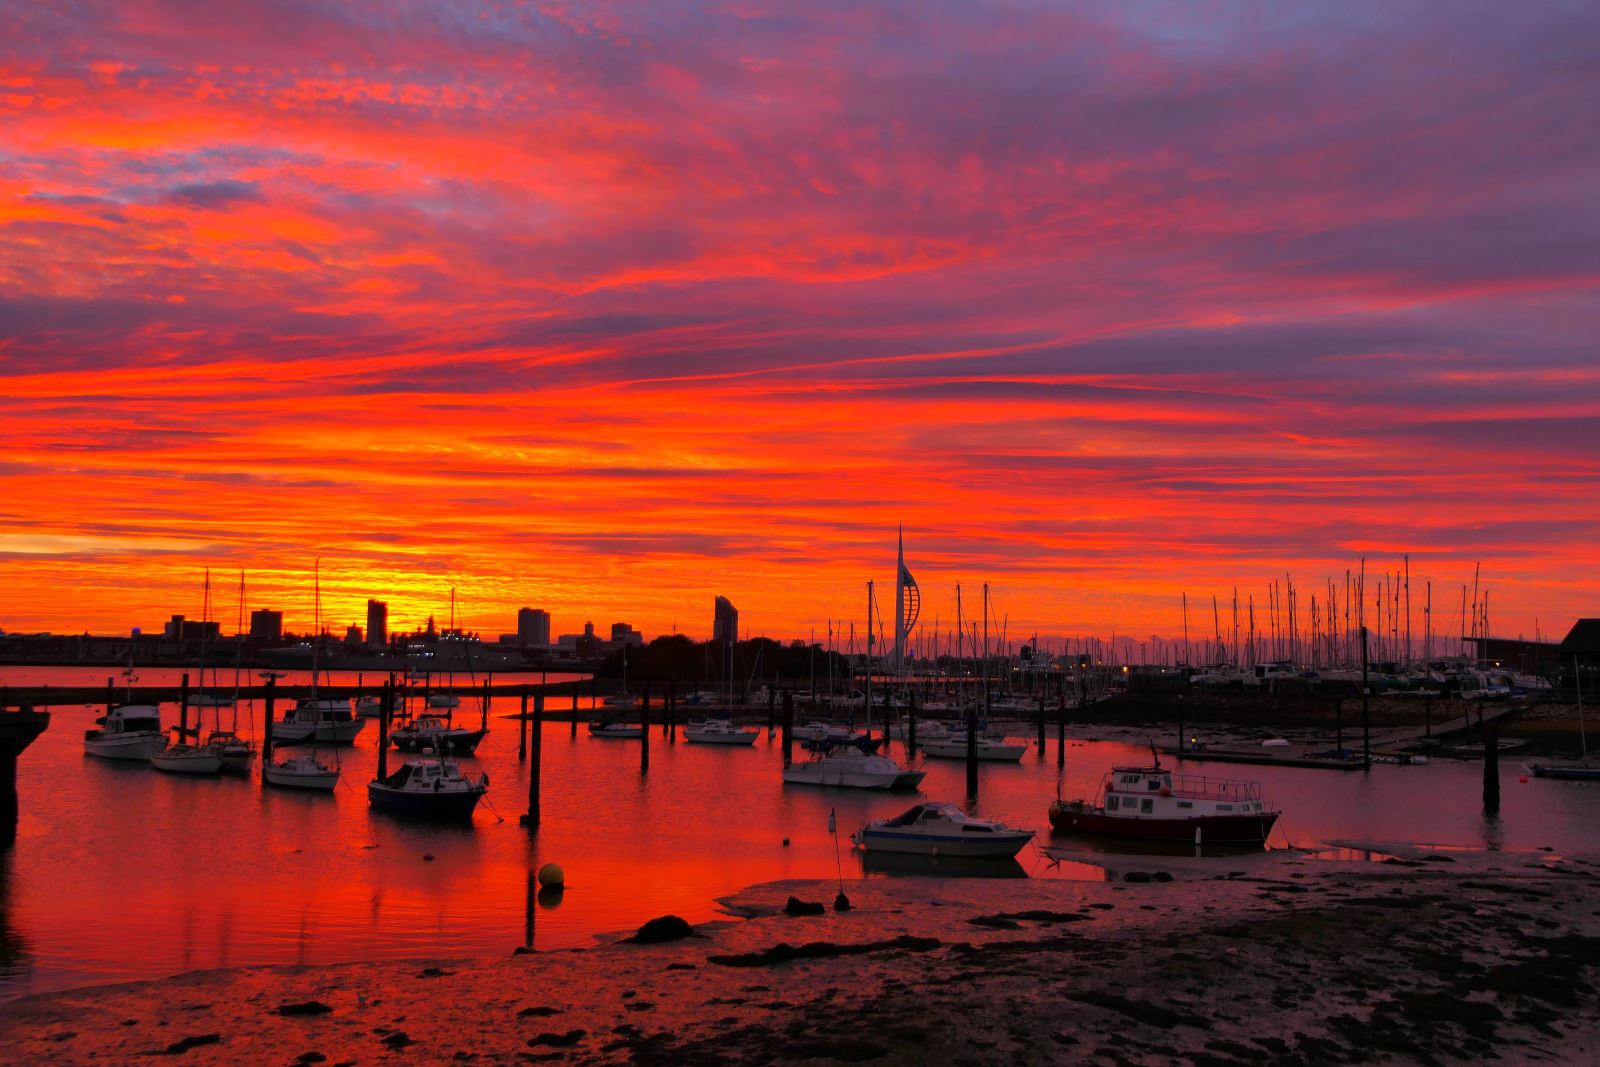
<point>1427,716</point>
<point>183,712</point>
<point>111,695</point>
<point>483,714</point>
<point>522,727</point>
<point>535,770</point>
<point>1180,724</point>
<point>1338,725</point>
<point>672,711</point>
<point>385,713</point>
<point>1061,730</point>
<point>1491,769</point>
<point>772,699</point>
<point>1041,722</point>
<point>788,728</point>
<point>911,726</point>
<point>266,726</point>
<point>972,753</point>
<point>644,732</point>
<point>1366,716</point>
<point>574,710</point>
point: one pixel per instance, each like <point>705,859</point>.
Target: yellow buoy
<point>551,876</point>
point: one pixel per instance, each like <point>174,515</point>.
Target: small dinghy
<point>301,772</point>
<point>188,759</point>
<point>718,732</point>
<point>616,730</point>
<point>428,789</point>
<point>942,830</point>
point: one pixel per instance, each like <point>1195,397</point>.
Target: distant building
<point>266,625</point>
<point>352,636</point>
<point>584,645</point>
<point>377,622</point>
<point>179,628</point>
<point>725,622</point>
<point>623,634</point>
<point>533,627</point>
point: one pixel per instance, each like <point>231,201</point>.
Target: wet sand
<point>1270,958</point>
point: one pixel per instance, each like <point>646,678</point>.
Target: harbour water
<point>123,873</point>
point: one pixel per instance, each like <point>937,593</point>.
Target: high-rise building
<point>725,622</point>
<point>533,627</point>
<point>622,633</point>
<point>377,622</point>
<point>266,625</point>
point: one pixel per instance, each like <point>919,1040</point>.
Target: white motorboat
<point>187,759</point>
<point>301,772</point>
<point>719,732</point>
<point>443,700</point>
<point>954,746</point>
<point>129,732</point>
<point>370,707</point>
<point>616,730</point>
<point>327,721</point>
<point>851,768</point>
<point>235,751</point>
<point>428,789</point>
<point>942,830</point>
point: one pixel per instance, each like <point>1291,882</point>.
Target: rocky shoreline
<point>1273,958</point>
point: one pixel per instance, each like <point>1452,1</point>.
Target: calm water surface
<point>120,872</point>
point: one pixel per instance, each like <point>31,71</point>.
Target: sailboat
<point>315,718</point>
<point>203,699</point>
<point>1583,770</point>
<point>448,699</point>
<point>236,752</point>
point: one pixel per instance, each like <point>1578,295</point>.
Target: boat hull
<point>988,846</point>
<point>743,737</point>
<point>1566,774</point>
<point>123,747</point>
<point>622,733</point>
<point>201,763</point>
<point>957,749</point>
<point>458,742</point>
<point>450,805</point>
<point>1249,829</point>
<point>311,783</point>
<point>804,774</point>
<point>327,733</point>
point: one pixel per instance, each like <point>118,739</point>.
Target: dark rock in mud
<point>796,906</point>
<point>815,950</point>
<point>309,1007</point>
<point>661,930</point>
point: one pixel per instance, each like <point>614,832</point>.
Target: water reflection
<point>904,864</point>
<point>16,957</point>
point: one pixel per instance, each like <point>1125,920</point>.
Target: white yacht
<point>954,746</point>
<point>944,830</point>
<point>325,720</point>
<point>718,732</point>
<point>616,730</point>
<point>129,732</point>
<point>851,768</point>
<point>187,759</point>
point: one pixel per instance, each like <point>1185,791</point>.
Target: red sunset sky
<point>612,308</point>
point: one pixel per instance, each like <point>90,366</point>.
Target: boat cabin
<point>129,719</point>
<point>426,775</point>
<point>922,814</point>
<point>1154,792</point>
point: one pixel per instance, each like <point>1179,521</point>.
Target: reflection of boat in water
<point>718,732</point>
<point>907,865</point>
<point>428,789</point>
<point>1147,802</point>
<point>938,829</point>
<point>850,768</point>
<point>129,732</point>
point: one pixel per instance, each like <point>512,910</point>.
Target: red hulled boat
<point>1149,803</point>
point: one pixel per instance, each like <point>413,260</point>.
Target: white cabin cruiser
<point>428,789</point>
<point>328,721</point>
<point>616,730</point>
<point>851,768</point>
<point>954,746</point>
<point>718,732</point>
<point>944,830</point>
<point>927,730</point>
<point>129,732</point>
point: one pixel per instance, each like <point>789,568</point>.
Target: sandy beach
<point>1281,957</point>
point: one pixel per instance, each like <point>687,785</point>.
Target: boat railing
<point>1191,787</point>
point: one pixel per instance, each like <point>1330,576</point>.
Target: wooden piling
<point>111,694</point>
<point>385,714</point>
<point>788,728</point>
<point>672,712</point>
<point>772,698</point>
<point>183,711</point>
<point>1427,716</point>
<point>911,726</point>
<point>483,712</point>
<point>1491,768</point>
<point>1366,709</point>
<point>522,728</point>
<point>644,731</point>
<point>1180,724</point>
<point>535,770</point>
<point>1041,722</point>
<point>266,725</point>
<point>972,754</point>
<point>574,711</point>
<point>1061,730</point>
